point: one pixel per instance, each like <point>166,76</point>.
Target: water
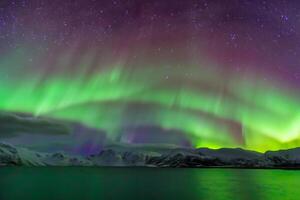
<point>147,183</point>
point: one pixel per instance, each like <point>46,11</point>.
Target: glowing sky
<point>200,73</point>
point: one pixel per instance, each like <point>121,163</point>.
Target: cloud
<point>12,124</point>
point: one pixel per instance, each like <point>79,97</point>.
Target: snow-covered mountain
<point>17,156</point>
<point>153,156</point>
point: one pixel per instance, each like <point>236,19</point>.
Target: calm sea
<point>147,183</point>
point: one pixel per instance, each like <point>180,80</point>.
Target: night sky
<point>193,73</point>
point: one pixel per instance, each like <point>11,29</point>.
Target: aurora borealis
<point>208,73</point>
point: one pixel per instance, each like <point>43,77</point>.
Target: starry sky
<point>192,73</point>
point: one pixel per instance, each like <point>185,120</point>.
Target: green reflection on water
<point>147,183</point>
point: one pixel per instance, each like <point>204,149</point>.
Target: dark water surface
<point>147,183</point>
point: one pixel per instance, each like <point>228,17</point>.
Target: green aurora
<point>211,108</point>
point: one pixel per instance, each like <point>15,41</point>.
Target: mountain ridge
<point>152,156</point>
